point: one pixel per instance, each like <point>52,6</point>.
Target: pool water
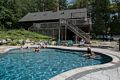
<point>28,65</point>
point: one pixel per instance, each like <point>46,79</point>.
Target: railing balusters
<point>69,23</point>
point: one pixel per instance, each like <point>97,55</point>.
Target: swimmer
<point>90,54</point>
<point>37,49</point>
<point>26,47</point>
<point>21,48</point>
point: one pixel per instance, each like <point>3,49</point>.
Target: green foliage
<point>101,12</point>
<point>13,43</point>
<point>114,9</point>
<point>80,3</point>
<point>22,34</point>
<point>6,18</point>
<point>63,4</point>
<point>115,25</point>
<point>100,16</point>
<point>12,10</point>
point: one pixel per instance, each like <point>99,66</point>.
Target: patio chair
<point>69,43</point>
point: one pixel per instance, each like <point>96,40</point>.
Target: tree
<point>114,9</point>
<point>50,5</point>
<point>63,4</point>
<point>80,3</point>
<point>115,25</point>
<point>6,18</point>
<point>13,10</point>
<point>100,16</point>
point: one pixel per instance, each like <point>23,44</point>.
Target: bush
<point>22,34</point>
<point>13,43</point>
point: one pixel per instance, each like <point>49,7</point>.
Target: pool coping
<point>71,74</point>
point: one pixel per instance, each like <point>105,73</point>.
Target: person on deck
<point>82,42</point>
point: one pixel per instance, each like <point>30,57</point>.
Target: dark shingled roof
<point>50,15</point>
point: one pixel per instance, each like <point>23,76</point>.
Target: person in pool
<point>37,49</point>
<point>90,53</point>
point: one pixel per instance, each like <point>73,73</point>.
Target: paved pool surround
<point>76,74</point>
<point>79,73</point>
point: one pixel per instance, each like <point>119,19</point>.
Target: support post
<point>76,39</point>
<point>65,33</point>
<point>119,44</point>
<point>53,33</point>
<point>59,37</point>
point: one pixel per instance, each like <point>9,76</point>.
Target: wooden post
<point>76,39</point>
<point>65,33</point>
<point>59,33</point>
<point>59,37</point>
<point>62,34</point>
<point>119,44</point>
<point>90,26</point>
<point>53,33</point>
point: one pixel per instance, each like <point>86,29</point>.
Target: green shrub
<point>13,43</point>
<point>22,34</point>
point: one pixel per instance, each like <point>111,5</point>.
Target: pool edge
<point>68,75</point>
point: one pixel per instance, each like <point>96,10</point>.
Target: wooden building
<point>63,25</point>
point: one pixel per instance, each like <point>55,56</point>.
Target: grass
<point>22,34</point>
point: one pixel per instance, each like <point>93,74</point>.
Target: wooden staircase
<point>75,29</point>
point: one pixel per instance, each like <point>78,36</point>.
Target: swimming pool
<point>28,65</point>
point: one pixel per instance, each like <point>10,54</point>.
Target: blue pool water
<point>28,65</point>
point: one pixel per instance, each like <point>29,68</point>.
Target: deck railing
<point>76,30</point>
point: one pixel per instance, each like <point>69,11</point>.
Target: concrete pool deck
<point>108,71</point>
